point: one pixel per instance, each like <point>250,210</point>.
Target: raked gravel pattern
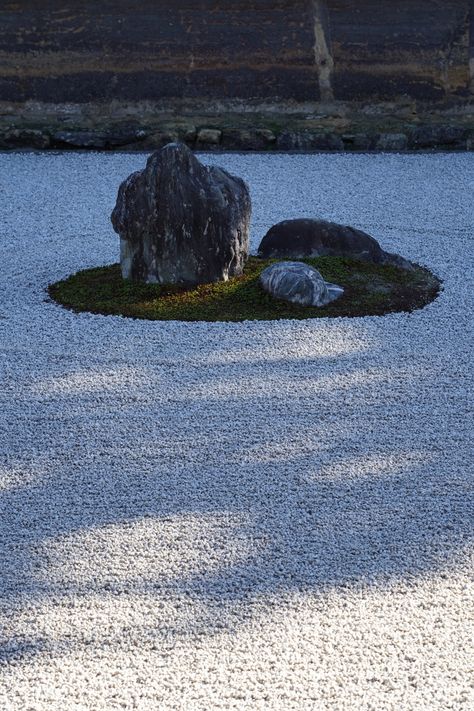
<point>236,516</point>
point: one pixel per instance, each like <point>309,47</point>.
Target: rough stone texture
<point>298,283</point>
<point>181,222</point>
<point>17,138</point>
<point>359,141</point>
<point>308,141</point>
<point>122,136</point>
<point>295,239</point>
<point>81,139</point>
<point>209,136</point>
<point>302,50</point>
<point>392,142</point>
<point>159,139</point>
<point>436,136</point>
<point>250,139</point>
<point>148,135</point>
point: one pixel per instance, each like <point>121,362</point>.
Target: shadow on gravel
<point>227,488</point>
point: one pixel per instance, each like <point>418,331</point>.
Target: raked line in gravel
<point>236,516</point>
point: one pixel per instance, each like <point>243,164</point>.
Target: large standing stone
<point>181,222</point>
<point>298,283</point>
<point>297,239</point>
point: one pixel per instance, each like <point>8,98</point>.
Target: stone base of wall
<point>241,126</point>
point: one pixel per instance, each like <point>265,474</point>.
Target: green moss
<point>369,290</point>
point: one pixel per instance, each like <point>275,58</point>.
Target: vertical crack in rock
<point>322,49</point>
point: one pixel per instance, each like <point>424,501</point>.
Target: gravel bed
<point>236,516</point>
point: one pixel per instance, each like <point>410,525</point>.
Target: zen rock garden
<point>184,233</point>
<point>184,223</point>
<point>236,398</point>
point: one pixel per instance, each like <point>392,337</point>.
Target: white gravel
<point>236,516</point>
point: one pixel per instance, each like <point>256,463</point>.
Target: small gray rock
<point>392,142</point>
<point>298,283</point>
<point>81,139</point>
<point>358,141</point>
<point>19,138</point>
<point>125,136</point>
<point>248,139</point>
<point>161,138</point>
<point>327,142</point>
<point>209,136</point>
<point>309,141</point>
<point>266,135</point>
<point>189,133</point>
<point>437,136</point>
<point>363,142</point>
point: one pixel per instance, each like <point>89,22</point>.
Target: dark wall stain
<point>82,51</point>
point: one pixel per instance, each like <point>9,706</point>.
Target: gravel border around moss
<point>370,290</point>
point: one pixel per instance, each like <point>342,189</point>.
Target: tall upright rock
<point>181,222</point>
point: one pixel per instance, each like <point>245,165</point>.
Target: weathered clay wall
<point>416,47</point>
<point>87,51</point>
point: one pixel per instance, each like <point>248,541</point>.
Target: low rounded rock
<point>301,238</point>
<point>298,283</point>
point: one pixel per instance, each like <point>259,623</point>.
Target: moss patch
<point>369,290</point>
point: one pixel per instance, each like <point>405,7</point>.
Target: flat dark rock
<point>297,239</point>
<point>181,222</point>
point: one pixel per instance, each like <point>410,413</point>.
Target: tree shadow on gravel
<point>222,495</point>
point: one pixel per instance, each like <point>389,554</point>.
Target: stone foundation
<point>105,68</point>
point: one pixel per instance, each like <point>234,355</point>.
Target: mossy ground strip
<point>370,290</point>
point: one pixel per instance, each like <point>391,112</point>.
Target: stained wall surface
<point>303,50</point>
